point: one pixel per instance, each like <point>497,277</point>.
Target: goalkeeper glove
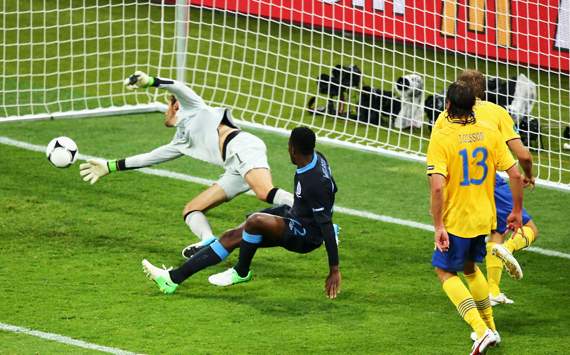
<point>96,168</point>
<point>138,80</point>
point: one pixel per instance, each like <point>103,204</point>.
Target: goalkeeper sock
<point>279,196</point>
<point>208,256</point>
<point>480,292</point>
<point>519,241</point>
<point>494,270</point>
<point>198,224</point>
<point>247,248</point>
<point>463,301</point>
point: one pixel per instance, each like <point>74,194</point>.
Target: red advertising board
<point>536,33</point>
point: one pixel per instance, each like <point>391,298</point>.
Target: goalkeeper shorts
<point>243,153</point>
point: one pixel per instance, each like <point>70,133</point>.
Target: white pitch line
<point>63,339</point>
<point>207,182</point>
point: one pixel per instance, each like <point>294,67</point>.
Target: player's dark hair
<point>303,140</point>
<point>475,80</point>
<point>172,99</point>
<point>461,100</point>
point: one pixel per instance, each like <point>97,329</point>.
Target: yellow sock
<point>518,241</point>
<point>494,270</point>
<point>480,292</point>
<point>462,299</point>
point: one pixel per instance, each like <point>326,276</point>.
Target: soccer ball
<point>62,152</point>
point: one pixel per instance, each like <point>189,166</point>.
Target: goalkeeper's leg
<point>247,156</point>
<point>260,182</point>
<point>196,220</point>
<point>230,185</point>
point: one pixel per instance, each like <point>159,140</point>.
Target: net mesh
<point>264,58</point>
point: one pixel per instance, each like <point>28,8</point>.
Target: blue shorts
<point>504,205</point>
<point>460,251</point>
<point>296,237</point>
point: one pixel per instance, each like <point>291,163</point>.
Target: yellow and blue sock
<point>480,292</point>
<point>494,270</point>
<point>520,240</point>
<point>463,301</point>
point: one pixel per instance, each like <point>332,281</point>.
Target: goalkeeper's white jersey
<point>196,131</point>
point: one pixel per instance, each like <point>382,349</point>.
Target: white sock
<point>283,197</point>
<point>198,224</point>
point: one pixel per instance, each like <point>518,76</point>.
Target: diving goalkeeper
<point>208,134</point>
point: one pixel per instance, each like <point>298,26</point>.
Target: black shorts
<point>296,237</point>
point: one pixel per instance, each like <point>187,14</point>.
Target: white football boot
<point>500,299</point>
<point>481,345</point>
<point>474,337</point>
<point>228,278</point>
<point>511,264</point>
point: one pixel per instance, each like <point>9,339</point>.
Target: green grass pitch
<point>70,260</point>
<point>70,253</point>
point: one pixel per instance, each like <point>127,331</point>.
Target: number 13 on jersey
<point>479,155</point>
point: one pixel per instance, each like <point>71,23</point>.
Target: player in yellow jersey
<point>497,252</point>
<point>462,160</point>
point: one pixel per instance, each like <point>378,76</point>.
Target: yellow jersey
<point>468,156</point>
<point>490,113</point>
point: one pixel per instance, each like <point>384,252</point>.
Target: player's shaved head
<point>460,100</point>
<point>303,140</point>
<point>476,81</point>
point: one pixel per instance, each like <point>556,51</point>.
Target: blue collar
<point>308,166</point>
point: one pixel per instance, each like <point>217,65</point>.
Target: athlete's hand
<point>529,182</point>
<point>138,80</point>
<point>93,170</point>
<point>441,239</point>
<point>514,221</point>
<point>332,284</point>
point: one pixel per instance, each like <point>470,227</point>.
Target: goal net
<point>370,74</point>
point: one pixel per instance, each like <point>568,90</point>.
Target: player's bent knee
<point>443,275</point>
<point>496,237</point>
<point>255,222</point>
<point>189,208</point>
<point>469,268</point>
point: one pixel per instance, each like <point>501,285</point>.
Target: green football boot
<point>160,276</point>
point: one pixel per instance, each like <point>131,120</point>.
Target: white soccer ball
<point>62,152</point>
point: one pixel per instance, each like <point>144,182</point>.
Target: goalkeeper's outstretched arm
<point>187,97</point>
<point>94,169</point>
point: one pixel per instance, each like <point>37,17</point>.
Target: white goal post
<point>274,62</point>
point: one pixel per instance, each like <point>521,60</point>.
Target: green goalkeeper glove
<point>138,80</point>
<point>96,168</point>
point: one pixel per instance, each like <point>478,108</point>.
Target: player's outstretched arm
<point>187,97</point>
<point>94,169</point>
